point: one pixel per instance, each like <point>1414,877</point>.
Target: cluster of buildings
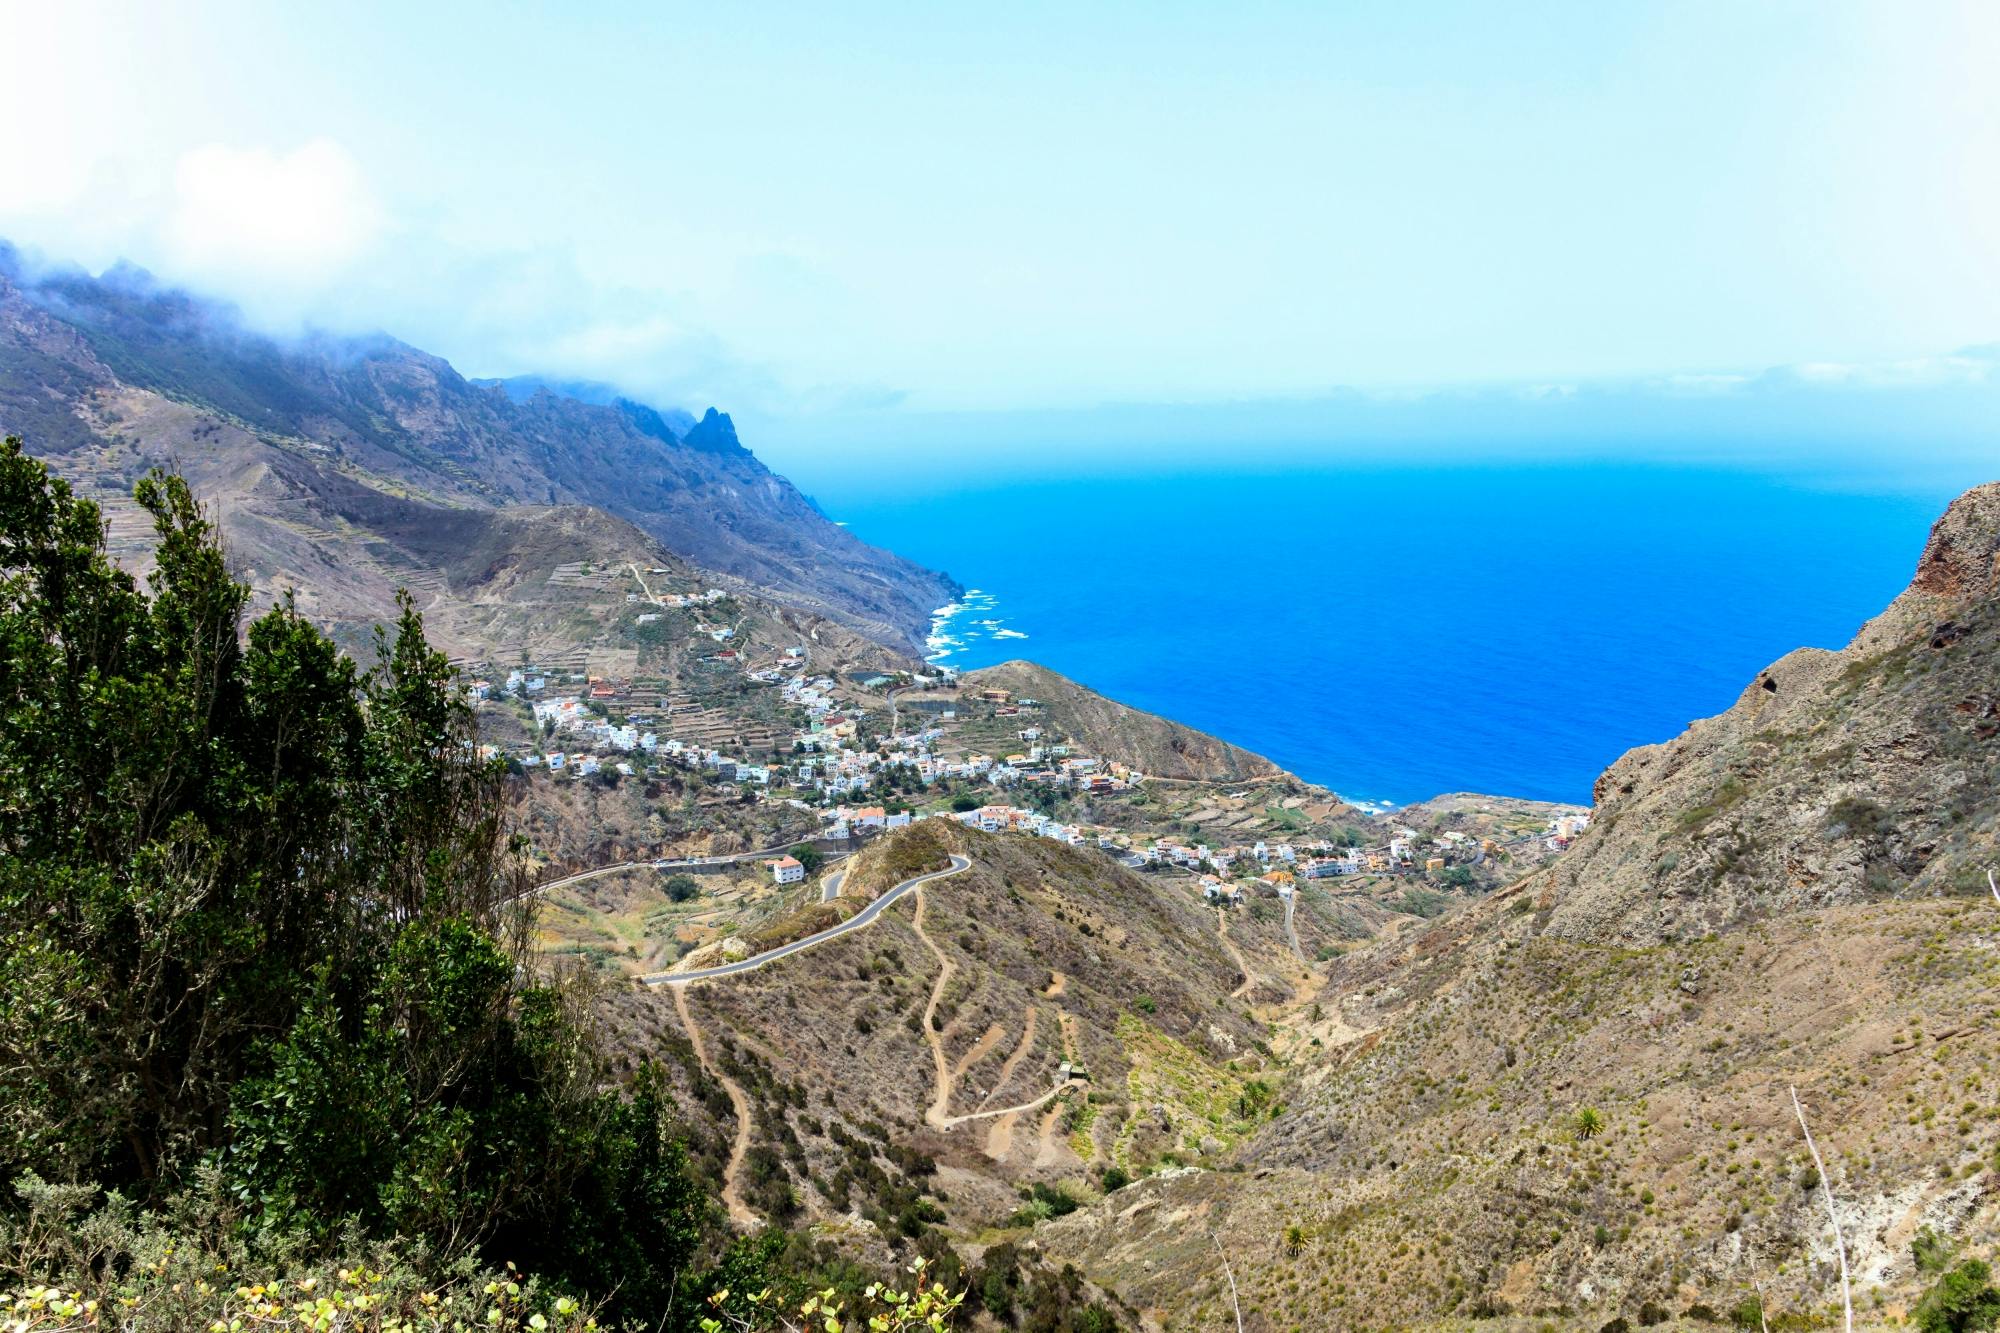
<point>1565,829</point>
<point>677,600</point>
<point>831,761</point>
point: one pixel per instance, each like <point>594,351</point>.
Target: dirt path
<point>1291,931</point>
<point>1058,983</point>
<point>980,1050</point>
<point>1014,1057</point>
<point>1005,1111</point>
<point>732,1197</point>
<point>1050,1148</point>
<point>940,1107</point>
<point>1000,1138</point>
<point>1222,933</point>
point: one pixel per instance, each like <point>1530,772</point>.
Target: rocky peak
<point>1960,567</point>
<point>1835,777</point>
<point>715,433</point>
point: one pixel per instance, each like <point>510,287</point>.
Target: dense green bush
<point>259,924</point>
<point>1963,1301</point>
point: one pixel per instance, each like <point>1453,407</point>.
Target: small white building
<point>787,869</point>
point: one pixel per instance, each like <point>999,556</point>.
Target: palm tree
<point>1588,1122</point>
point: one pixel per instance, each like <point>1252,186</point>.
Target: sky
<point>872,221</point>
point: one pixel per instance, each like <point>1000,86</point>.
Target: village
<point>835,745</point>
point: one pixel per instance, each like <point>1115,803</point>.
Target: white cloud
<point>249,213</point>
<point>1971,366</point>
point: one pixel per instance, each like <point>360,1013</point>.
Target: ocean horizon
<point>1396,632</point>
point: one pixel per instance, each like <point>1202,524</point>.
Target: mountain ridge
<point>393,411</point>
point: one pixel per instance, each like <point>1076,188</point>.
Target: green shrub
<point>1962,1301</point>
<point>1931,1251</point>
<point>1860,818</point>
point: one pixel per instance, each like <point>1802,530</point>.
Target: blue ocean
<point>1397,631</point>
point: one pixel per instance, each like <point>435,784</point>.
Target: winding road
<point>865,917</point>
<point>740,1213</point>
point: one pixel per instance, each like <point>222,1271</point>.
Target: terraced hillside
<point>951,1018</point>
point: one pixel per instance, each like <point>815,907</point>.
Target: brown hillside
<point>1837,777</point>
<point>1154,745</point>
<point>1036,955</point>
<point>1791,895</point>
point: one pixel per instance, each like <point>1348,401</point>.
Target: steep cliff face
<point>378,407</point>
<point>1837,777</point>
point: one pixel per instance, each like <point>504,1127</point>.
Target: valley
<point>1077,1003</point>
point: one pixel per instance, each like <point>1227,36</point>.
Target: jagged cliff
<point>1837,777</point>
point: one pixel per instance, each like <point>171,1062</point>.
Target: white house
<point>787,870</point>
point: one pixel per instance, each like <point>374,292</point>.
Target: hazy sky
<point>796,210</point>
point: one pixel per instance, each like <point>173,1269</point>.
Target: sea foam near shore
<point>956,626</point>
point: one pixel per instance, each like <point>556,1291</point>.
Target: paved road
<point>864,917</point>
<point>829,887</point>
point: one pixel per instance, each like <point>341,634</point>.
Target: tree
<point>1587,1123</point>
<point>681,888</point>
<point>259,914</point>
<point>808,856</point>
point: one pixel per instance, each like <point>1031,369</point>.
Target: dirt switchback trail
<point>1291,905</point>
<point>1000,1139</point>
<point>1222,933</point>
<point>1014,1058</point>
<point>980,1050</point>
<point>1051,1147</point>
<point>732,1197</point>
<point>940,1106</point>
